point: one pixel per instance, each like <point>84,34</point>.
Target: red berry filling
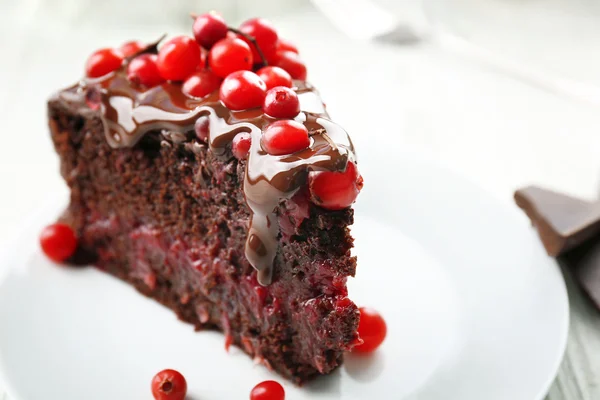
<point>274,76</point>
<point>58,242</point>
<point>143,70</point>
<point>285,137</point>
<point>265,35</point>
<point>208,29</point>
<point>281,102</point>
<point>169,385</point>
<point>267,390</point>
<point>372,329</point>
<point>229,55</point>
<point>292,63</point>
<point>201,126</point>
<point>201,84</point>
<point>102,62</point>
<point>335,190</point>
<point>178,58</point>
<point>240,146</point>
<point>242,90</point>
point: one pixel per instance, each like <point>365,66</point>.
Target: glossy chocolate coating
<point>129,112</point>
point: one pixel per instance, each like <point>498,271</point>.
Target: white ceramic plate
<point>475,309</point>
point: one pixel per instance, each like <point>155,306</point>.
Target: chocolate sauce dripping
<point>129,112</point>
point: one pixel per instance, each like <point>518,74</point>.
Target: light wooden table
<point>579,374</point>
<point>499,132</point>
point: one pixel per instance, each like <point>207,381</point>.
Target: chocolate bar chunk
<point>563,222</point>
<point>569,229</point>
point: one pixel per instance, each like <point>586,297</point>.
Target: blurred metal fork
<point>364,20</point>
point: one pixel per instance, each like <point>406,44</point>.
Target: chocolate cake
<point>237,244</point>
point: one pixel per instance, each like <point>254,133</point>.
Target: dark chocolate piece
<point>563,222</point>
<point>569,228</point>
<point>584,264</point>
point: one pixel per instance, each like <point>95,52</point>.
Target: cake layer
<point>170,217</point>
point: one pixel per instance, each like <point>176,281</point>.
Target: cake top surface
<point>221,93</point>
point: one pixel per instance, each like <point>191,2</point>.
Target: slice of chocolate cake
<point>248,241</point>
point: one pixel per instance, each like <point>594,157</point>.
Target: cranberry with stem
<point>169,384</point>
<point>264,35</point>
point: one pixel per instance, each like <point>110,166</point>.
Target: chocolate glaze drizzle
<point>129,112</point>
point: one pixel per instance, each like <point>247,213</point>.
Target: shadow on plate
<point>364,367</point>
<point>361,368</point>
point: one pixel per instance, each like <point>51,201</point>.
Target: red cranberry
<point>209,28</point>
<point>58,242</point>
<point>242,90</point>
<point>274,76</point>
<point>335,190</point>
<point>228,342</point>
<point>343,303</point>
<point>281,102</point>
<point>202,64</point>
<point>265,35</point>
<point>292,63</point>
<point>169,385</point>
<point>201,84</point>
<point>93,98</point>
<point>229,55</point>
<point>102,62</point>
<point>286,45</point>
<point>240,146</point>
<point>143,70</point>
<point>201,126</point>
<point>178,58</point>
<point>267,390</point>
<point>372,329</point>
<point>131,48</point>
<point>285,137</point>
